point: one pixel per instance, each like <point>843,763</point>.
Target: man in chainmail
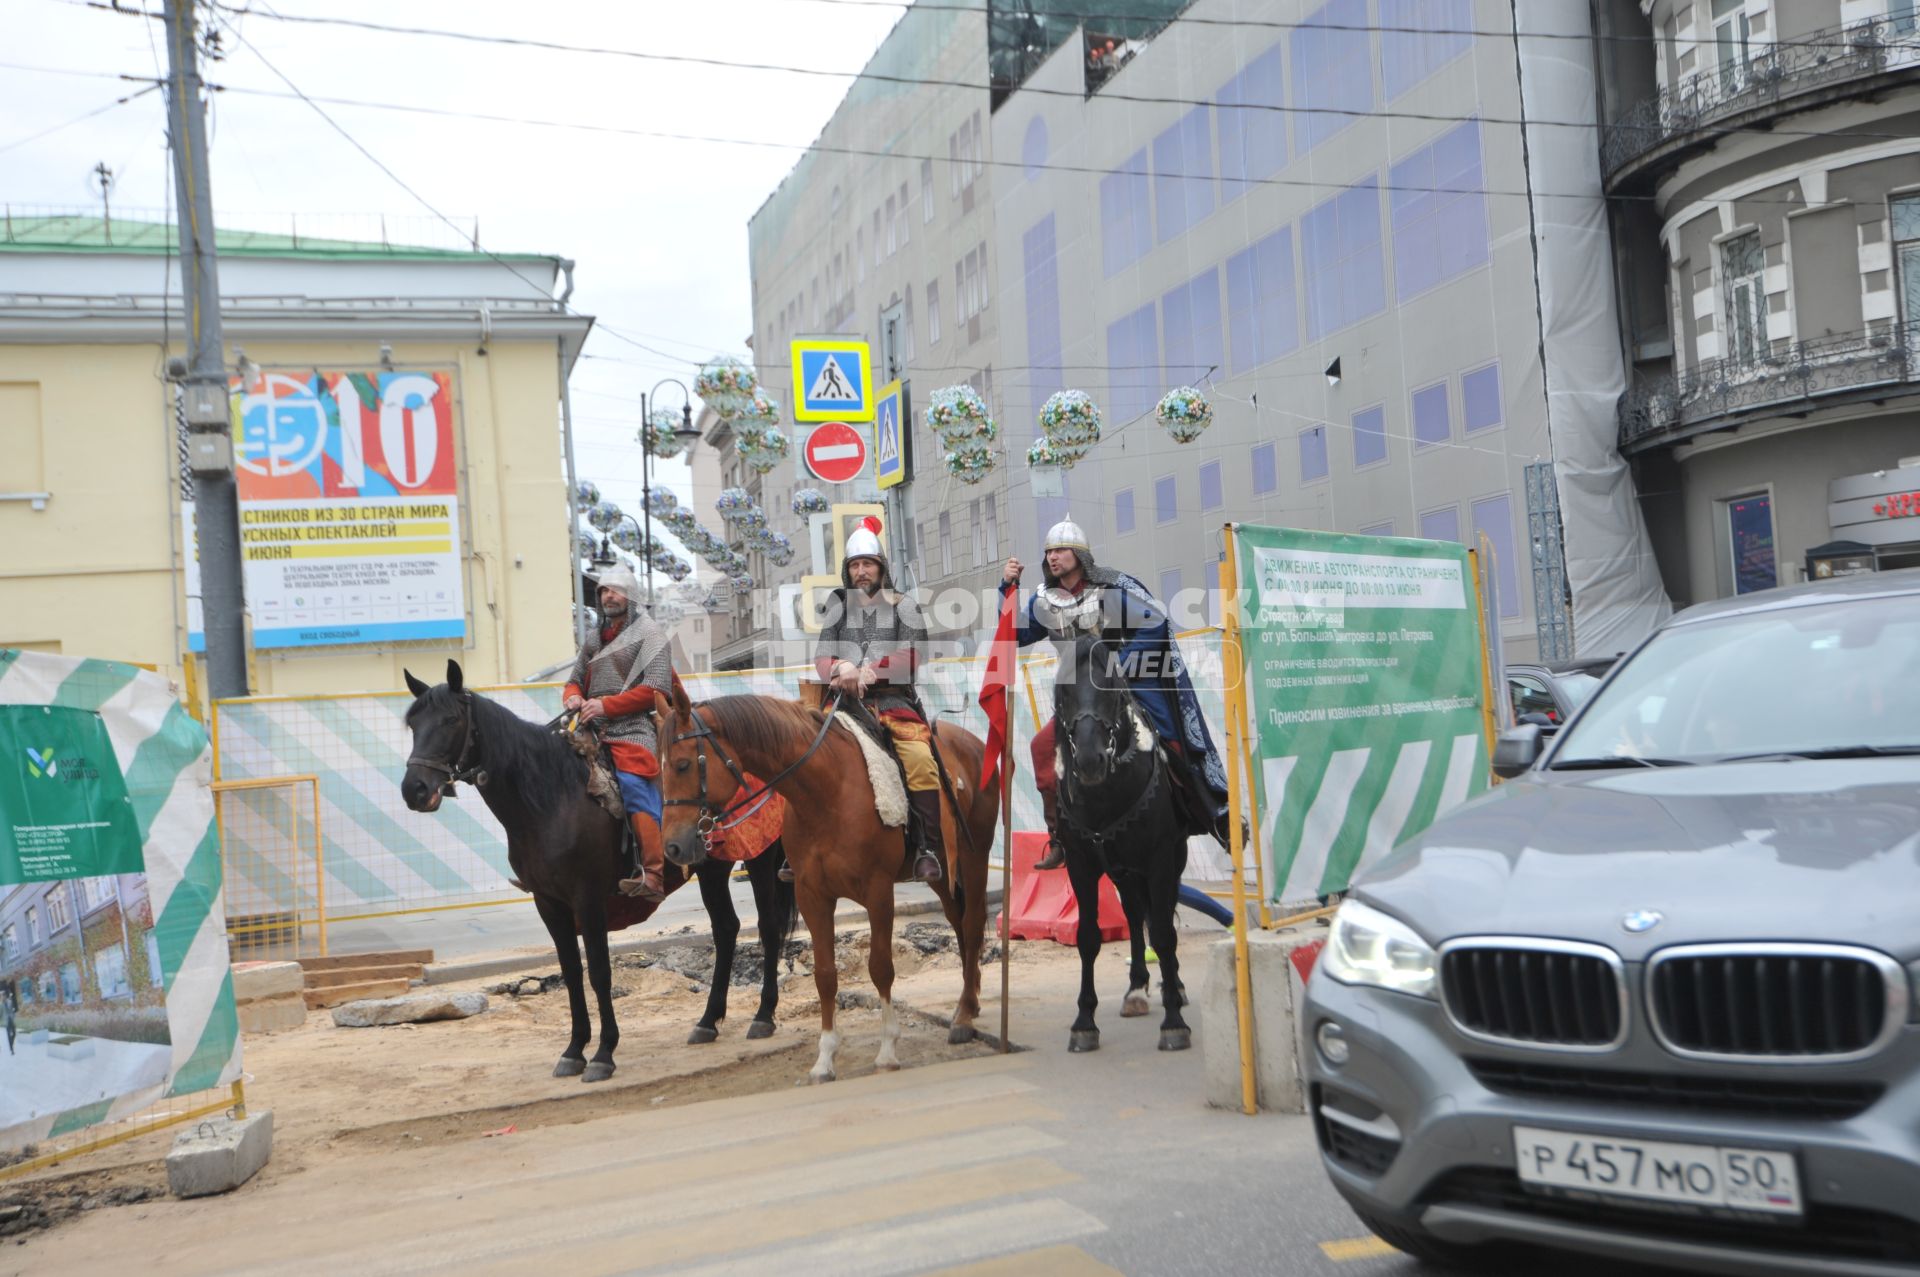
<point>622,667</point>
<point>871,640</point>
<point>1136,622</point>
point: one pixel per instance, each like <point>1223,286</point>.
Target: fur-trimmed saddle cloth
<point>883,772</point>
<point>601,785</point>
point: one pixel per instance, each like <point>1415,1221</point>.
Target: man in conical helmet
<point>1136,622</point>
<point>871,641</point>
<point>622,667</point>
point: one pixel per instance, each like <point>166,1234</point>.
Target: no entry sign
<point>835,452</point>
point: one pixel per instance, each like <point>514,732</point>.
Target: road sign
<point>891,438</point>
<point>835,452</point>
<point>832,380</point>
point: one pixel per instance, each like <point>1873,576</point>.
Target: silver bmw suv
<point>1658,996</point>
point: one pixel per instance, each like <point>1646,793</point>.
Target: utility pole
<point>203,376</point>
<point>105,175</point>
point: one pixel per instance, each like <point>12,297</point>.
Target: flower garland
<point>733,502</point>
<point>1041,454</point>
<point>809,501</point>
<point>727,386</point>
<point>970,465</point>
<point>587,494</point>
<point>958,413</point>
<point>1071,422</point>
<point>1184,413</point>
<point>661,502</point>
<point>660,435</point>
<point>604,515</point>
<point>779,550</point>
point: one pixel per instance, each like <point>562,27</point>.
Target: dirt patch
<point>338,1093</point>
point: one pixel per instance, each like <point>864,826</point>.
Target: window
<point>1905,15</point>
<point>979,147</point>
<point>1418,37</point>
<point>1190,324</point>
<point>1369,436</point>
<point>1730,42</point>
<point>1253,132</point>
<point>1263,310</point>
<point>1166,499</point>
<point>906,222</point>
<point>1430,421</point>
<point>1529,695</point>
<point>1041,269</point>
<point>1340,247</point>
<point>110,969</point>
<point>1133,353</point>
<point>1743,268</point>
<point>33,926</point>
<point>946,543</point>
<point>1441,525</point>
<point>878,255</point>
<point>156,975</point>
<point>1123,511</point>
<point>979,532</point>
<point>49,988</point>
<point>1183,174</point>
<point>1210,497</point>
<point>10,943</point>
<point>1332,71</point>
<point>953,164</point>
<point>1439,213</point>
<point>1313,454</point>
<point>926,190</point>
<point>1749,525</point>
<point>58,914</point>
<point>1480,398</point>
<point>981,252</point>
<point>993,529</point>
<point>1170,586</point>
<point>1126,228</point>
<point>933,312</point>
<point>1493,517</point>
<point>1266,470</point>
<point>893,227</point>
<point>906,327</point>
<point>1906,246</point>
<point>70,991</point>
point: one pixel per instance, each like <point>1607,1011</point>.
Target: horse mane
<point>542,767</point>
<point>765,721</point>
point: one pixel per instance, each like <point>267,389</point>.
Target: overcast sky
<point>658,227</point>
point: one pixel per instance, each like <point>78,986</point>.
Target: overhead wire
<point>118,102</point>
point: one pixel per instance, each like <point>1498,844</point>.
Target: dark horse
<point>1120,817</point>
<point>833,834</point>
<point>570,853</point>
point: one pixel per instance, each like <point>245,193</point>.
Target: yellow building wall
<point>97,572</point>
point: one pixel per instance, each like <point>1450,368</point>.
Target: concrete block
<point>219,1156</point>
<point>1277,986</point>
<point>255,980</point>
<point>273,1015</point>
<point>421,1008</point>
<point>69,1049</point>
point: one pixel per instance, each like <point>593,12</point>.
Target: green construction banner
<point>1365,688</point>
<point>67,813</point>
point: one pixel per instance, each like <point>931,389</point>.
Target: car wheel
<point>1427,1248</point>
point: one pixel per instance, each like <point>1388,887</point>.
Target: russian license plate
<point>1747,1179</point>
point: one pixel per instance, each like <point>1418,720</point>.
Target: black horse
<point>1120,817</point>
<point>570,853</point>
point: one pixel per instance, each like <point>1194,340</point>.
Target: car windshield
<point>1578,686</point>
<point>1824,678</point>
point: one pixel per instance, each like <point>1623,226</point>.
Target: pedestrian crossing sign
<point>890,415</point>
<point>832,380</point>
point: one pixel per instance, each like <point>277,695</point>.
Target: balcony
<point>1791,380</point>
<point>1830,66</point>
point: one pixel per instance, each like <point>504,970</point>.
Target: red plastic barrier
<point>1043,903</point>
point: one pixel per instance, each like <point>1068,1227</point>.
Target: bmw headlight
<point>1368,947</point>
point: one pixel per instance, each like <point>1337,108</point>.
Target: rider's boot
<point>651,884</point>
<point>933,842</point>
<point>1056,850</point>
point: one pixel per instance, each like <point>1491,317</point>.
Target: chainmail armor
<point>609,669</point>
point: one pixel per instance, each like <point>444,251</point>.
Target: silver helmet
<point>1067,535</point>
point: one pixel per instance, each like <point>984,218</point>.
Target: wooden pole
<point>1242,963</point>
<point>1006,882</point>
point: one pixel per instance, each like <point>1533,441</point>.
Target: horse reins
<point>459,771</point>
<point>710,815</point>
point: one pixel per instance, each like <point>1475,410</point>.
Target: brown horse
<point>833,835</point>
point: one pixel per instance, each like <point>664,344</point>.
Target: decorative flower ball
<point>659,435</point>
<point>587,494</point>
<point>807,501</point>
<point>626,538</point>
<point>604,515</point>
<point>678,521</point>
<point>1071,422</point>
<point>585,546</point>
<point>726,385</point>
<point>732,502</point>
<point>660,501</point>
<point>1041,453</point>
<point>750,520</point>
<point>1185,412</point>
<point>779,549</point>
<point>763,410</point>
<point>958,413</point>
<point>970,464</point>
<point>680,569</point>
<point>742,582</point>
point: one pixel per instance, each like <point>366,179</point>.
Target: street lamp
<point>687,435</point>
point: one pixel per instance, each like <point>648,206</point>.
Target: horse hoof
<point>818,1078</point>
<point>760,1029</point>
<point>1083,1040</point>
<point>1134,1004</point>
<point>569,1067</point>
<point>961,1033</point>
<point>702,1034</point>
<point>1175,1039</point>
<point>598,1071</point>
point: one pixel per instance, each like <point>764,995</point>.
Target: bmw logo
<point>1642,920</point>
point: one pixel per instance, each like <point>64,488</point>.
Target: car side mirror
<point>1517,750</point>
<point>1537,719</point>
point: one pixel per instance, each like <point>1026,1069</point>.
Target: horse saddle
<point>601,785</point>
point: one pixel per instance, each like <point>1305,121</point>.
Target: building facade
<point>1763,158</point>
<point>92,483</point>
<point>83,941</point>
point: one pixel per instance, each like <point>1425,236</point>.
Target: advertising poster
<point>1365,686</point>
<point>349,509</point>
<point>114,987</point>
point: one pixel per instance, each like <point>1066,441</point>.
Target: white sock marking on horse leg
<point>888,1059</point>
<point>829,1047</point>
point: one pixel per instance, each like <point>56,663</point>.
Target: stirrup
<point>639,889</point>
<point>1056,855</point>
<point>785,872</point>
<point>926,867</point>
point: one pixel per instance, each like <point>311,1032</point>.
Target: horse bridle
<point>459,770</point>
<point>1110,832</point>
<point>710,813</point>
